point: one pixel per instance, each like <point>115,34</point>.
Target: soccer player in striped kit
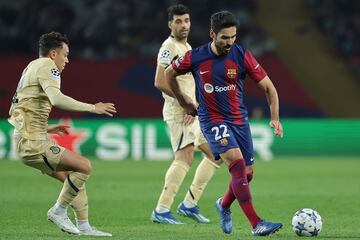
<point>219,69</point>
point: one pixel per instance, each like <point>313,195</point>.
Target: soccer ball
<point>307,222</point>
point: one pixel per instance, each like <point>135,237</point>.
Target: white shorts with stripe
<point>181,136</point>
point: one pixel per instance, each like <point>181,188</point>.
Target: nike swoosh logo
<point>203,72</point>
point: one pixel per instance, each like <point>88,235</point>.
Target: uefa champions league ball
<point>307,222</point>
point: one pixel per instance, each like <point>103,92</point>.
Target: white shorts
<point>181,136</point>
<point>40,154</point>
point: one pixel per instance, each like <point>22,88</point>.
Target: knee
<point>187,161</point>
<point>86,167</point>
<point>185,155</point>
<point>231,155</point>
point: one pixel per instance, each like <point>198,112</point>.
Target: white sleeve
<point>166,55</point>
<point>62,101</point>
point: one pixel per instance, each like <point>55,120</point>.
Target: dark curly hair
<point>223,19</point>
<point>50,41</point>
<point>177,9</point>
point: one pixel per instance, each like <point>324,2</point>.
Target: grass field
<point>123,194</point>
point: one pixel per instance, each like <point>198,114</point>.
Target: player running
<point>183,134</point>
<point>38,90</point>
<point>219,69</point>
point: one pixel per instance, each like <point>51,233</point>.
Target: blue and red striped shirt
<point>220,81</point>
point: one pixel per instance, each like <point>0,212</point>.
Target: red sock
<point>229,196</point>
<point>240,188</point>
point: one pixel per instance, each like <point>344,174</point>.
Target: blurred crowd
<point>115,28</point>
<point>340,21</point>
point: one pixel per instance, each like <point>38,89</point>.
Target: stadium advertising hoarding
<point>147,139</point>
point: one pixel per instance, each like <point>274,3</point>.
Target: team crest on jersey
<point>231,73</point>
<point>224,142</point>
<point>55,74</point>
<point>55,149</point>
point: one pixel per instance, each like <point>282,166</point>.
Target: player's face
<point>180,26</point>
<point>224,39</point>
<point>60,56</point>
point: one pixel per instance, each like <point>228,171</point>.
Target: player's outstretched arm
<point>273,101</point>
<point>59,100</point>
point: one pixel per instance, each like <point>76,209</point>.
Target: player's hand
<point>105,108</point>
<point>59,129</point>
<point>190,109</point>
<point>278,129</point>
<point>188,119</point>
<point>189,106</point>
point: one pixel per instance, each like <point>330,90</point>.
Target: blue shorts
<point>224,136</point>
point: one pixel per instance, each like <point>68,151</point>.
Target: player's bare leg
<point>79,170</point>
<point>173,180</point>
<point>80,208</point>
<point>203,175</point>
<point>61,175</point>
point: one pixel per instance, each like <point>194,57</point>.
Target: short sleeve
<point>49,76</point>
<point>166,55</point>
<point>253,68</point>
<point>183,64</point>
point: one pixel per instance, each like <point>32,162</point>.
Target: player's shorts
<point>199,136</point>
<point>181,136</point>
<point>40,154</point>
<point>224,136</point>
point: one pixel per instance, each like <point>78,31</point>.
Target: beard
<point>222,50</point>
<point>180,36</point>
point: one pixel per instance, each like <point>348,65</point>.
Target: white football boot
<point>92,231</point>
<point>63,222</point>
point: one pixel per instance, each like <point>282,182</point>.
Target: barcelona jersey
<point>220,82</point>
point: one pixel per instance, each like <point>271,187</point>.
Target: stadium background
<point>310,49</point>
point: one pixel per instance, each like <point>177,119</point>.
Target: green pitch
<point>123,194</point>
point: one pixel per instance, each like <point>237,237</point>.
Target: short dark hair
<point>178,9</point>
<point>223,19</point>
<point>50,41</point>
